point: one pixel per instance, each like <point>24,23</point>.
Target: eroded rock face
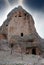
<point>19,30</point>
<point>20,24</point>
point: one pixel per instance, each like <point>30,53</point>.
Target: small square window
<point>16,16</point>
<point>21,34</point>
<point>6,25</point>
<point>25,14</point>
<point>19,15</point>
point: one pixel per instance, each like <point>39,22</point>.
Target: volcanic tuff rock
<point>18,35</point>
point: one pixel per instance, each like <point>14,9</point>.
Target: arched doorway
<point>34,51</point>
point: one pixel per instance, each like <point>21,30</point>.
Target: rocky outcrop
<point>18,34</point>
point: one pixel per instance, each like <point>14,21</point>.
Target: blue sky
<point>35,4</point>
<point>35,7</point>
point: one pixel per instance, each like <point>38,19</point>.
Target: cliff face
<point>19,23</point>
<point>19,30</point>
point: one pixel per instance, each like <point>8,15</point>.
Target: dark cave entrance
<point>34,51</point>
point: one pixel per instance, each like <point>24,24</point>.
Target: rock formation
<point>18,33</point>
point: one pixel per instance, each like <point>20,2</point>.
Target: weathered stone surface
<point>18,36</point>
